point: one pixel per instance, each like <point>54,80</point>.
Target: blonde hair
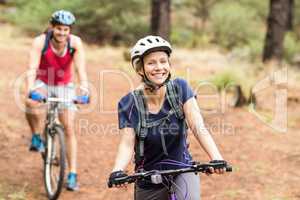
<point>138,65</point>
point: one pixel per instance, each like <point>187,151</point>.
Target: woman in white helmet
<point>152,122</point>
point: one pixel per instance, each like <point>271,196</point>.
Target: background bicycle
<point>54,156</point>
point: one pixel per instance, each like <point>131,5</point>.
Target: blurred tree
<point>202,10</point>
<point>279,21</point>
<point>199,22</point>
<point>260,7</point>
<point>3,1</point>
<point>232,25</point>
<point>101,21</point>
<point>297,19</point>
<point>160,18</point>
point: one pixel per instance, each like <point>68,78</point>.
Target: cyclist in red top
<point>51,60</point>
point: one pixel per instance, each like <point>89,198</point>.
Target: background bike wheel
<point>54,163</point>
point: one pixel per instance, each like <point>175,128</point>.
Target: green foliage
<point>251,51</point>
<point>224,80</point>
<point>122,21</point>
<point>33,16</point>
<point>297,19</point>
<point>260,7</point>
<point>182,36</point>
<point>97,21</point>
<point>291,46</point>
<point>235,75</point>
<point>292,39</point>
<point>256,48</point>
<point>238,26</point>
<point>233,25</point>
<point>202,40</point>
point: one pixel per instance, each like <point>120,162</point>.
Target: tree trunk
<point>160,18</point>
<point>203,11</point>
<point>290,15</point>
<point>278,22</point>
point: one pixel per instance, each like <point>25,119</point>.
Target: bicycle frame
<point>51,114</point>
<point>52,110</point>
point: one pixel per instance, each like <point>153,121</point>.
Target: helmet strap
<point>151,85</point>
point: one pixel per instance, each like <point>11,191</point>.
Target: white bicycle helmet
<point>62,17</point>
<point>147,45</point>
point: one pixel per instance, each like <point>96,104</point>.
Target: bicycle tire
<point>57,133</point>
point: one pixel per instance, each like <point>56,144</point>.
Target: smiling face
<point>61,33</point>
<point>157,67</point>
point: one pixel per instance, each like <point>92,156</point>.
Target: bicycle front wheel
<point>54,163</point>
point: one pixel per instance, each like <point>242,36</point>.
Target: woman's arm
<point>126,148</point>
<point>195,122</point>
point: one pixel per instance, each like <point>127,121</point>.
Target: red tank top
<point>54,69</point>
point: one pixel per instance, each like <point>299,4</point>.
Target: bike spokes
<point>54,163</point>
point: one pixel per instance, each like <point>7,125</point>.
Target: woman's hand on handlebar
<point>112,179</point>
<point>215,171</point>
<point>212,170</point>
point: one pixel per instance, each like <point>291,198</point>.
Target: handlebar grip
<point>83,99</point>
<point>218,164</point>
<point>228,168</point>
<point>120,180</point>
<point>36,96</point>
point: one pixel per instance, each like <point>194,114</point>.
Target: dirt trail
<point>266,164</point>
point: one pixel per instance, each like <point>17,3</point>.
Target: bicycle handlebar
<point>60,100</point>
<point>36,96</point>
<point>157,174</point>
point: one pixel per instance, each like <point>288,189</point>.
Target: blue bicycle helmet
<point>62,17</point>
